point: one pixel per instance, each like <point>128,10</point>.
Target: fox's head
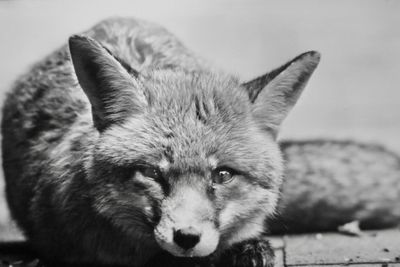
<point>187,158</point>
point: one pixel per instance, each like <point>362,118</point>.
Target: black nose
<point>187,238</point>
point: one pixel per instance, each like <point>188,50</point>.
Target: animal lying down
<point>123,148</point>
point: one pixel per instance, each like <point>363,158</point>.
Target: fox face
<point>188,159</point>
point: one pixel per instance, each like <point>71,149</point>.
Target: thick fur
<point>80,126</point>
<point>329,183</point>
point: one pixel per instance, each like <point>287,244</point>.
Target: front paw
<point>249,253</point>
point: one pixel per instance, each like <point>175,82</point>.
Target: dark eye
<point>150,172</point>
<point>223,175</point>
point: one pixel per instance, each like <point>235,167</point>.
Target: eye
<point>223,175</point>
<point>150,172</point>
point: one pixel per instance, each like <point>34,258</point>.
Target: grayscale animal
<point>123,148</point>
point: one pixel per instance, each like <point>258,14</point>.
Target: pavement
<point>368,249</point>
<point>371,248</point>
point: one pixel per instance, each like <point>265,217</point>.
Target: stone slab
<point>334,248</point>
<point>279,258</point>
<point>352,265</point>
<point>276,242</point>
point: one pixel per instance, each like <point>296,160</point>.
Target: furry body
<point>63,190</point>
<point>329,183</point>
<point>74,158</point>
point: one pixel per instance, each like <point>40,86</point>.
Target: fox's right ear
<point>112,91</point>
<point>274,94</point>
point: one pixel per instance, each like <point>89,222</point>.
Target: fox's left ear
<point>274,94</point>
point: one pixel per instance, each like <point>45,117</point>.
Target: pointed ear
<point>274,94</point>
<point>112,91</point>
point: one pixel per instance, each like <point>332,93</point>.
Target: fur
<point>330,182</point>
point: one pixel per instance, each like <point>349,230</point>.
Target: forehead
<point>190,122</point>
<point>177,91</point>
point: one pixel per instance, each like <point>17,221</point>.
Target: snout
<point>187,227</point>
<point>199,241</point>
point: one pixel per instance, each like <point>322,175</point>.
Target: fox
<point>124,148</point>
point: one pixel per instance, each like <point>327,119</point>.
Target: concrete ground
<point>371,248</point>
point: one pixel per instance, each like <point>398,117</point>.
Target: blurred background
<point>354,93</point>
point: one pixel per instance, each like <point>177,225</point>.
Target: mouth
<point>179,252</point>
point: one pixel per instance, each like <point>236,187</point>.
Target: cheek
<point>244,205</point>
<point>130,205</point>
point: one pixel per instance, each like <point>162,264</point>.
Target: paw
<point>250,253</point>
